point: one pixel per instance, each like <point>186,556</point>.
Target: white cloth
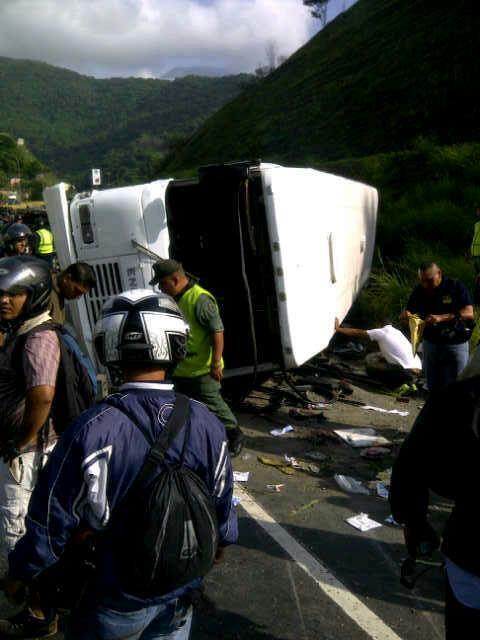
<point>395,347</point>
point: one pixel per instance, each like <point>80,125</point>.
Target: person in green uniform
<point>199,376</point>
<point>475,255</point>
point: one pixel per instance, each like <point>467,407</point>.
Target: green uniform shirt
<point>475,248</point>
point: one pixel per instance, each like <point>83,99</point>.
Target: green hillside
<point>73,122</point>
<point>381,74</point>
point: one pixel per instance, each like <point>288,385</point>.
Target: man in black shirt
<point>446,307</point>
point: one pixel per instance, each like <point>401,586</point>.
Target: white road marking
<point>354,608</point>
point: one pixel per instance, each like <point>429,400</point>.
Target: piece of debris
<point>382,490</point>
<point>391,520</point>
<point>319,405</point>
<point>363,522</point>
<point>300,464</point>
<point>385,475</point>
<point>349,484</point>
<point>278,464</point>
<point>381,410</point>
<point>283,431</point>
<point>241,476</point>
<point>318,456</point>
<point>236,501</point>
<point>375,453</point>
<point>304,507</point>
<point>276,488</point>
<point>361,437</point>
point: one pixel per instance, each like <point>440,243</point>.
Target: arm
<point>466,313</point>
<point>216,370</point>
<point>354,333</point>
<point>38,403</point>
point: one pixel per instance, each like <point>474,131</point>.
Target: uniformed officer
<point>45,246</point>
<point>199,375</point>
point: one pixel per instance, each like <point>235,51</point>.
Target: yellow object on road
<point>416,325</point>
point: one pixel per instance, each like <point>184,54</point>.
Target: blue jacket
<point>95,463</point>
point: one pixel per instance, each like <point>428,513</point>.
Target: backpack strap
<point>175,422</point>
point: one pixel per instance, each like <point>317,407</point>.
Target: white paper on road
<point>349,484</point>
<point>391,520</point>
<point>380,410</point>
<point>361,437</point>
<point>241,476</point>
<point>275,487</point>
<point>283,431</point>
<point>235,501</point>
<point>363,522</point>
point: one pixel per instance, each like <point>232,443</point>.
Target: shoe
<point>26,625</point>
<point>235,441</point>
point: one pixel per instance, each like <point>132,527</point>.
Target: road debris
<point>383,490</point>
<point>363,522</point>
<point>241,476</point>
<point>361,437</point>
<point>375,453</point>
<point>318,456</point>
<point>276,488</point>
<point>350,485</point>
<point>236,501</point>
<point>391,520</point>
<point>304,507</point>
<point>282,431</point>
<point>278,463</point>
<point>381,410</point>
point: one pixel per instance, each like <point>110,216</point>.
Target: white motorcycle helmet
<point>141,327</point>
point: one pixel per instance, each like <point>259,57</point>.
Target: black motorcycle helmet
<point>26,273</point>
<point>13,233</point>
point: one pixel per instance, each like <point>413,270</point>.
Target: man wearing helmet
<point>27,388</point>
<point>200,374</point>
<point>16,239</point>
<point>141,335</point>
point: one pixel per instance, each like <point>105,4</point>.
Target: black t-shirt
<point>449,297</point>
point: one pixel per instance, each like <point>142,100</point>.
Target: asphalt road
<point>261,592</point>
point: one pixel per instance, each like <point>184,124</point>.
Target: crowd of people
<point>116,508</point>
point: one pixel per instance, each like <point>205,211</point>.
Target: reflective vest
<point>199,346</point>
<point>45,245</point>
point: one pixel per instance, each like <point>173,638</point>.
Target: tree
<point>318,9</point>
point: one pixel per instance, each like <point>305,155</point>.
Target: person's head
<point>76,280</point>
<point>170,277</point>
<point>140,332</point>
<point>25,288</point>
<point>16,238</point>
<point>430,275</point>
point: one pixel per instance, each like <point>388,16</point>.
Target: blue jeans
<point>168,621</point>
<point>442,363</point>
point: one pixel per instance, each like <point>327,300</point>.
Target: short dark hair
<point>81,273</point>
<point>426,266</point>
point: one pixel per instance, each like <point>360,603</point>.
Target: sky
<point>149,38</point>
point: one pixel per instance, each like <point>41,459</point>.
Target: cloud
<point>148,37</point>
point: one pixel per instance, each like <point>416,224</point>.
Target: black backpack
<point>76,387</point>
<point>166,529</point>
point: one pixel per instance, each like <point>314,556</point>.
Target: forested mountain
<point>377,77</point>
<point>74,122</point>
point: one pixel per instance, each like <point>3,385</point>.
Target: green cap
<point>164,268</point>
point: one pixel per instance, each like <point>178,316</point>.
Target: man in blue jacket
<point>142,334</point>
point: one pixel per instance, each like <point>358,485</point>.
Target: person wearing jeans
<point>446,307</point>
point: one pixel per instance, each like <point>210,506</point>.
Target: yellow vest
<point>199,347</point>
<point>46,242</point>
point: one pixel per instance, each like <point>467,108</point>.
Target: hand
<point>405,315</point>
<point>220,555</point>
<point>14,590</point>
<point>216,372</point>
<point>337,324</point>
<point>433,319</point>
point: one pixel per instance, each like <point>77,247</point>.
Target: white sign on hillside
<point>96,177</point>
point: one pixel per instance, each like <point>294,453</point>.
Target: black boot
<point>235,441</point>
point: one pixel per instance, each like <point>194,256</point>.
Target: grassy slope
<point>68,119</point>
<point>381,74</point>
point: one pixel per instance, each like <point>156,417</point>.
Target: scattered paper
<point>380,410</point>
<point>382,490</point>
<point>361,437</point>
<point>391,520</point>
<point>276,488</point>
<point>363,522</point>
<point>241,476</point>
<point>351,485</point>
<point>283,431</point>
<point>235,501</point>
